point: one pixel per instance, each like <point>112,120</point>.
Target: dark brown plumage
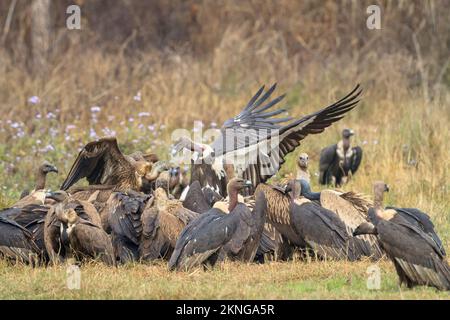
<point>102,163</point>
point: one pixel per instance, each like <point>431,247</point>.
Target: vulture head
<point>365,228</point>
<point>303,161</point>
<point>58,196</point>
<point>346,135</point>
<point>46,167</point>
<point>42,172</point>
<point>237,184</point>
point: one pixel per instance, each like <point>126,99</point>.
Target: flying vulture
<point>41,178</point>
<point>308,226</point>
<point>163,220</point>
<point>87,240</point>
<point>254,144</point>
<point>102,163</point>
<point>351,208</point>
<point>417,256</point>
<point>339,161</point>
<point>215,235</point>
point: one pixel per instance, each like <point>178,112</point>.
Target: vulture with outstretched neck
<point>215,235</point>
<point>418,257</point>
<point>102,163</point>
<point>340,161</point>
<point>41,178</point>
<point>254,144</point>
<point>87,240</point>
<point>308,226</point>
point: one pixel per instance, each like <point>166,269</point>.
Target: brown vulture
<point>102,163</point>
<point>308,226</point>
<point>254,144</point>
<point>122,219</point>
<point>215,236</point>
<point>351,208</point>
<point>163,220</point>
<point>55,232</point>
<point>417,256</point>
<point>41,178</point>
<point>17,243</point>
<point>87,240</point>
<point>339,161</point>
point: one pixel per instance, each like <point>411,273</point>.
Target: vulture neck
<point>40,180</point>
<point>232,199</point>
<point>378,200</point>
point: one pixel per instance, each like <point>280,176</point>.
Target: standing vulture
<point>41,178</point>
<point>302,164</point>
<point>87,240</point>
<point>339,161</point>
<point>351,208</point>
<point>102,163</point>
<point>17,243</point>
<point>163,220</point>
<point>216,236</point>
<point>308,226</point>
<point>254,144</point>
<point>417,257</point>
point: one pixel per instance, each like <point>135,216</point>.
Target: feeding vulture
<point>339,161</point>
<point>122,215</point>
<point>17,243</point>
<point>417,256</point>
<point>87,240</point>
<point>254,144</point>
<point>215,235</point>
<point>351,208</point>
<point>41,178</point>
<point>308,226</point>
<point>55,232</point>
<point>102,163</point>
<point>163,220</point>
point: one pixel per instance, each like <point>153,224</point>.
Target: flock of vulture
<point>139,208</point>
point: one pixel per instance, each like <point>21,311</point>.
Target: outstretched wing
<point>100,161</point>
<point>289,137</point>
<point>327,157</point>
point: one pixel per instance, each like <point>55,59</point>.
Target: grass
<point>275,280</point>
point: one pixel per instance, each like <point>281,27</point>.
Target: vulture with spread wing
<point>102,163</point>
<point>416,252</point>
<point>339,162</point>
<point>254,144</point>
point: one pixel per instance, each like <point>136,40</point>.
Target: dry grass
<point>402,124</point>
<point>293,280</point>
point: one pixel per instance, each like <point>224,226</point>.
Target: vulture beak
<point>53,169</point>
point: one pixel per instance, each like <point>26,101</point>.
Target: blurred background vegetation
<point>139,69</point>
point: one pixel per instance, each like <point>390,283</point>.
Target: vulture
<point>55,232</point>
<point>87,240</point>
<point>351,208</point>
<point>302,165</point>
<point>102,163</point>
<point>41,178</point>
<point>31,217</point>
<point>417,256</point>
<point>339,161</point>
<point>163,220</point>
<point>216,235</point>
<point>195,199</point>
<point>122,219</point>
<point>254,144</point>
<point>308,226</point>
<point>17,243</point>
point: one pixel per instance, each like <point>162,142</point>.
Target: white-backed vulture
<point>41,178</point>
<point>216,236</point>
<point>302,167</point>
<point>254,144</point>
<point>417,257</point>
<point>339,162</point>
<point>102,163</point>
